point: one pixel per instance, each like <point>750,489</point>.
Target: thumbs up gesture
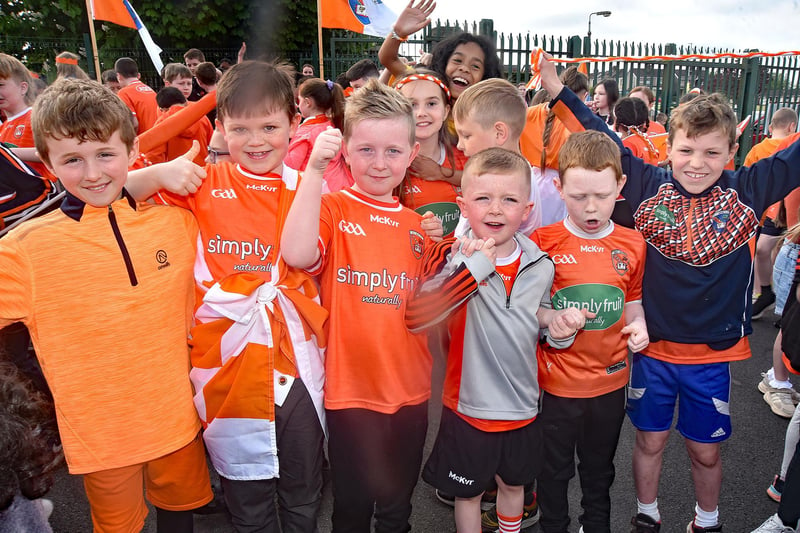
<point>182,176</point>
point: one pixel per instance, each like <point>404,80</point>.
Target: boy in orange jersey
<point>378,375</point>
<point>699,221</point>
<point>493,286</point>
<point>257,365</point>
<point>599,266</point>
<point>138,96</point>
<point>491,114</point>
<point>131,370</point>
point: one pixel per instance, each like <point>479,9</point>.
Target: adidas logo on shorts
<point>718,433</point>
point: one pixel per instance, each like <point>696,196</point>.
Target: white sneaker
<point>764,387</point>
<point>780,401</point>
<point>773,524</point>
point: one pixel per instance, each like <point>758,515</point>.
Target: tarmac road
<point>750,459</point>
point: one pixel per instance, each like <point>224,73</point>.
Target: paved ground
<point>750,458</point>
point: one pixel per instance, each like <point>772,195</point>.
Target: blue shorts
<point>783,273</point>
<point>702,393</point>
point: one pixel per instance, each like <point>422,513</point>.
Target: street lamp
<point>587,50</point>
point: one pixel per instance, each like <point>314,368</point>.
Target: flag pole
<point>319,39</point>
<point>90,13</point>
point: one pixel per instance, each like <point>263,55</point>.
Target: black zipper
<point>112,218</point>
<point>523,269</point>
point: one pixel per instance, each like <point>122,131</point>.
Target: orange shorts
<point>175,482</point>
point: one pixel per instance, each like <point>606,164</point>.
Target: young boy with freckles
<point>366,249</point>
<point>491,114</point>
<point>699,221</point>
<point>599,266</point>
<point>493,287</point>
<point>257,366</point>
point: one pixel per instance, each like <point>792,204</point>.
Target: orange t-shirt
<point>531,142</point>
<point>437,196</point>
<point>371,252</point>
<point>655,128</point>
<point>114,354</point>
<point>603,273</point>
<point>765,148</point>
<point>17,130</point>
<point>141,100</point>
<point>181,143</point>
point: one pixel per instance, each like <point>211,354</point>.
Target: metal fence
<point>755,87</point>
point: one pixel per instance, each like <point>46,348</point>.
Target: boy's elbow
<point>303,259</point>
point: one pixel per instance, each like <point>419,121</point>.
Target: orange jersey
<point>238,214</point>
<point>141,100</point>
<point>531,142</point>
<point>437,196</point>
<point>17,130</point>
<point>765,148</point>
<point>601,273</point>
<point>200,131</point>
<point>655,128</point>
<point>371,252</point>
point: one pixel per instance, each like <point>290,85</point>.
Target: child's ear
<point>345,153</point>
<point>621,183</point>
<point>501,132</point>
<point>134,153</point>
<point>557,185</point>
<point>414,152</point>
<point>460,203</point>
<point>732,152</point>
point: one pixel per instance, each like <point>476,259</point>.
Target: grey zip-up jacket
<point>491,366</point>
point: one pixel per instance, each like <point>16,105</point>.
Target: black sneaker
<point>762,303</point>
<point>643,523</point>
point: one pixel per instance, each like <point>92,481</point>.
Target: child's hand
<point>426,168</point>
<point>182,176</point>
<point>242,52</point>
<point>550,81</point>
<point>567,322</point>
<point>325,149</point>
<point>425,59</point>
<point>432,226</point>
<point>414,17</point>
<point>638,338</point>
<point>469,246</point>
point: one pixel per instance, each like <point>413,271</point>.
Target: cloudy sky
<point>768,25</point>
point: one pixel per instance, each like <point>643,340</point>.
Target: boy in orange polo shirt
<point>118,368</point>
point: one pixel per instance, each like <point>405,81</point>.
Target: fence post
<point>669,79</point>
<point>574,47</point>
<point>486,27</point>
<point>751,73</point>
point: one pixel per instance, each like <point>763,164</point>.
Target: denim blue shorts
<point>783,273</point>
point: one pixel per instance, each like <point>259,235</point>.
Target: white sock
<point>705,518</point>
<point>650,509</point>
<point>775,384</point>
<point>771,373</point>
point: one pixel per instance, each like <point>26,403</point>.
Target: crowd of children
<point>241,253</point>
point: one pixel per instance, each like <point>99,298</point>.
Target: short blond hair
<point>12,68</point>
<point>703,114</point>
<point>376,100</point>
<point>591,150</point>
<point>490,101</point>
<point>497,161</point>
<point>783,118</point>
<point>253,88</point>
<point>79,109</point>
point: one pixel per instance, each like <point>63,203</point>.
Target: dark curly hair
<point>445,48</point>
<point>29,445</point>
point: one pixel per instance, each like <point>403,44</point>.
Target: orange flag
<point>113,11</point>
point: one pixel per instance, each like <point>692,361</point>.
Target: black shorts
<point>465,460</point>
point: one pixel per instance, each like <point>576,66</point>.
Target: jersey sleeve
<point>15,305</point>
<point>447,281</point>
